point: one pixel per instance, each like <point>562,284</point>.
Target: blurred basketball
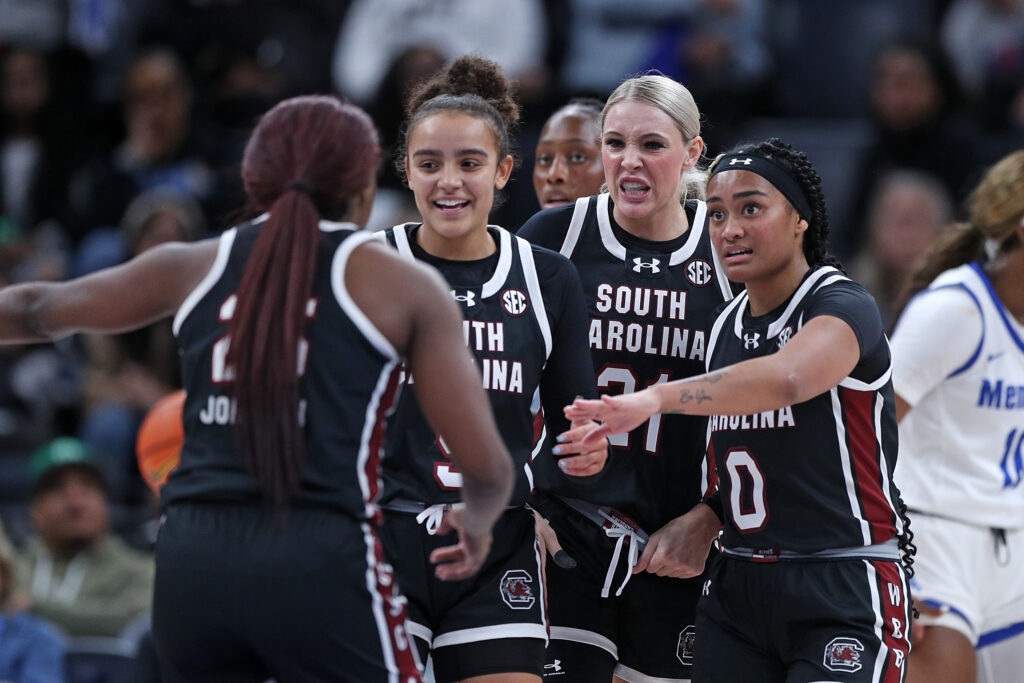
<point>161,436</point>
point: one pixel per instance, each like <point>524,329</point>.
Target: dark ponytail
<point>305,159</point>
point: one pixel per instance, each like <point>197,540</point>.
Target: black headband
<point>770,171</point>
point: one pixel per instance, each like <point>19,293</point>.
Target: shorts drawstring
<point>1002,548</point>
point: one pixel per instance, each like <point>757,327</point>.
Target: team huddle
<point>649,436</point>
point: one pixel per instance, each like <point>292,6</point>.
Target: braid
<point>907,549</point>
<point>800,167</point>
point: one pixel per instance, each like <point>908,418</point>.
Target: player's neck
<point>473,245</point>
<point>767,293</point>
<point>662,226</point>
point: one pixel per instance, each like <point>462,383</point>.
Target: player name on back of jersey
<point>769,419</point>
<point>635,334</point>
<point>498,374</point>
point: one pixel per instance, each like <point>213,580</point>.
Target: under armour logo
<point>639,264</point>
<point>751,341</point>
<point>557,666</point>
<point>706,590</point>
<point>745,162</point>
<point>469,298</point>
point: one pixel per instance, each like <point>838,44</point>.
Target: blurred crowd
<point>121,125</point>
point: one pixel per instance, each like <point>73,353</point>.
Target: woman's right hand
<point>462,560</point>
<point>618,414</point>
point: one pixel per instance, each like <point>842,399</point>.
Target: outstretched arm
<point>147,288</point>
<point>817,358</point>
<point>412,306</point>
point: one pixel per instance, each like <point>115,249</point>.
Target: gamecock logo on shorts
<point>684,650</point>
<point>843,654</point>
<point>516,589</point>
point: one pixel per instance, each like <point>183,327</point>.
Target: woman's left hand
<point>580,459</point>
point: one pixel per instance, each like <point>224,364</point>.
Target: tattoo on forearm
<point>686,396</point>
<point>716,377</point>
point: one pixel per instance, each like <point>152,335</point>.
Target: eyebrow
<point>459,153</point>
<point>550,141</point>
<point>652,134</point>
<point>738,195</point>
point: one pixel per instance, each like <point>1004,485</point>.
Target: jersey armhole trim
<point>348,304</point>
<point>1000,308</point>
<point>572,235</point>
<point>533,285</point>
<point>981,341</point>
<point>220,263</point>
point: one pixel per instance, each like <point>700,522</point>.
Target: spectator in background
<point>76,574</point>
<point>162,148</point>
<point>394,203</point>
<point>918,124</point>
<point>567,164</point>
<point>907,211</point>
<point>980,34</point>
<point>126,374</point>
<point>38,154</point>
<point>30,649</point>
<point>373,32</point>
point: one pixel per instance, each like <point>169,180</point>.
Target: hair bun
<point>470,75</point>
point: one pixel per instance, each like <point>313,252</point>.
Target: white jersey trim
<point>348,305</point>
<point>533,285</point>
<point>716,329</point>
<point>776,325</point>
<point>572,235</point>
<point>419,631</point>
<point>369,424</point>
<point>618,250</point>
<point>501,271</point>
<point>377,605</point>
<point>634,676</point>
<point>496,632</point>
<point>220,263</point>
<point>578,635</point>
<point>844,457</point>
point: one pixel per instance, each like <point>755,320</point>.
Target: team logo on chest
<point>843,654</point>
<point>465,297</point>
<point>517,589</point>
<point>751,340</point>
<point>698,272</point>
<point>514,302</point>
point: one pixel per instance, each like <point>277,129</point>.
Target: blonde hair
<point>675,100</point>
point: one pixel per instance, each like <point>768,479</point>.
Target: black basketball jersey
<point>651,308</point>
<point>816,475</point>
<point>507,328</point>
<point>349,377</point>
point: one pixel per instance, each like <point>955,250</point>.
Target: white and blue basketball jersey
<point>961,450</point>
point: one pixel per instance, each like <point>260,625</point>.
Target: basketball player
<point>567,163</point>
<point>268,564</point>
<point>958,369</point>
<point>652,282</point>
<point>810,585</point>
<point>525,322</point>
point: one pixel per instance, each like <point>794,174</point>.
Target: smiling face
<point>453,170</point>
<point>568,162</point>
<point>756,232</point>
<point>644,157</point>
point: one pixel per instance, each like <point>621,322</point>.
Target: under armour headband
<point>770,171</point>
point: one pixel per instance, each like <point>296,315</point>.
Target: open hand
<point>462,560</point>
